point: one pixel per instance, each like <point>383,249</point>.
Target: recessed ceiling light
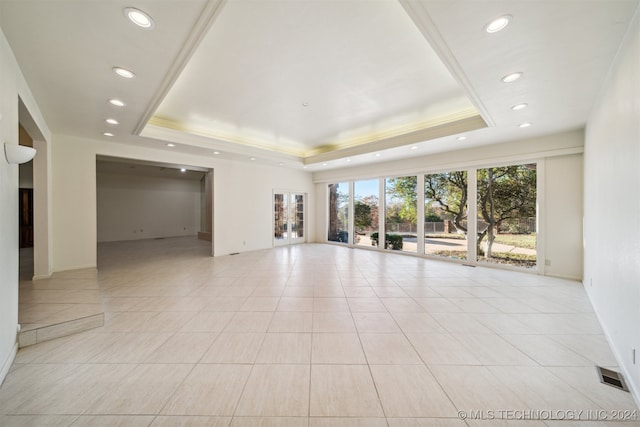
<point>280,164</point>
<point>347,160</point>
<point>216,152</point>
<point>117,102</point>
<point>377,154</point>
<point>324,164</point>
<point>461,138</point>
<point>525,125</point>
<point>252,159</point>
<point>171,145</point>
<point>112,121</point>
<point>510,78</point>
<point>107,134</point>
<point>498,24</point>
<point>138,17</point>
<point>304,167</point>
<point>415,147</point>
<point>518,107</point>
<point>183,170</point>
<point>123,72</point>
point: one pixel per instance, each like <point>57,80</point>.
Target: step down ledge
<point>63,329</point>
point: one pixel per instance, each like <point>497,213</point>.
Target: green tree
<point>372,202</point>
<point>432,217</point>
<point>404,189</point>
<point>361,215</point>
<point>504,193</point>
<point>338,213</point>
<point>449,191</point>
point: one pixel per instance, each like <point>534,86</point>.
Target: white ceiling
<point>308,77</point>
<point>379,76</point>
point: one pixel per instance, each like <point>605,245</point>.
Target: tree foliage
<point>338,213</point>
<point>361,215</point>
<point>504,193</point>
<point>432,217</point>
<point>372,202</point>
<point>449,192</point>
<point>404,208</point>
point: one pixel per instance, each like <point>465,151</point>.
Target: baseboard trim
<point>79,267</point>
<point>6,365</point>
<point>562,276</point>
<point>633,387</point>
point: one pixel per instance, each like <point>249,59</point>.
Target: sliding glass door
<point>401,216</point>
<point>477,215</point>
<point>288,218</point>
<point>339,199</point>
<point>365,212</point>
<point>445,214</point>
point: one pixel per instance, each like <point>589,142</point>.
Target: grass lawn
<point>445,236</point>
<point>527,241</point>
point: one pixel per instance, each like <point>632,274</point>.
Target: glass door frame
<point>472,191</point>
<point>290,197</point>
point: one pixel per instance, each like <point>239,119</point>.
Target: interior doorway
<point>144,200</point>
<point>25,211</point>
<point>34,208</point>
<point>25,220</point>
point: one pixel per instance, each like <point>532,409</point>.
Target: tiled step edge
<point>47,333</point>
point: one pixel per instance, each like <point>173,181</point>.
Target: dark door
<point>26,218</point>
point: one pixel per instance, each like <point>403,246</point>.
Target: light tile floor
<point>67,296</point>
<point>318,335</point>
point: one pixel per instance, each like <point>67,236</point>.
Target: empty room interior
<point>310,213</point>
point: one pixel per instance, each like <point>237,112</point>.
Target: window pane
<point>365,212</point>
<point>297,216</point>
<point>401,214</point>
<point>279,216</point>
<point>339,212</point>
<point>445,214</point>
<point>507,215</point>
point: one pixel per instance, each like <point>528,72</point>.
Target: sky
<point>362,188</point>
<point>365,188</point>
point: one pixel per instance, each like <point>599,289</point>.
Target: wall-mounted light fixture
<point>18,154</point>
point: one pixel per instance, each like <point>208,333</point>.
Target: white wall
<point>243,205</point>
<point>560,234</point>
<point>242,197</point>
<point>132,207</point>
<point>563,194</point>
<point>612,206</point>
<point>73,164</point>
<point>43,208</point>
<point>8,210</point>
<point>12,86</point>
